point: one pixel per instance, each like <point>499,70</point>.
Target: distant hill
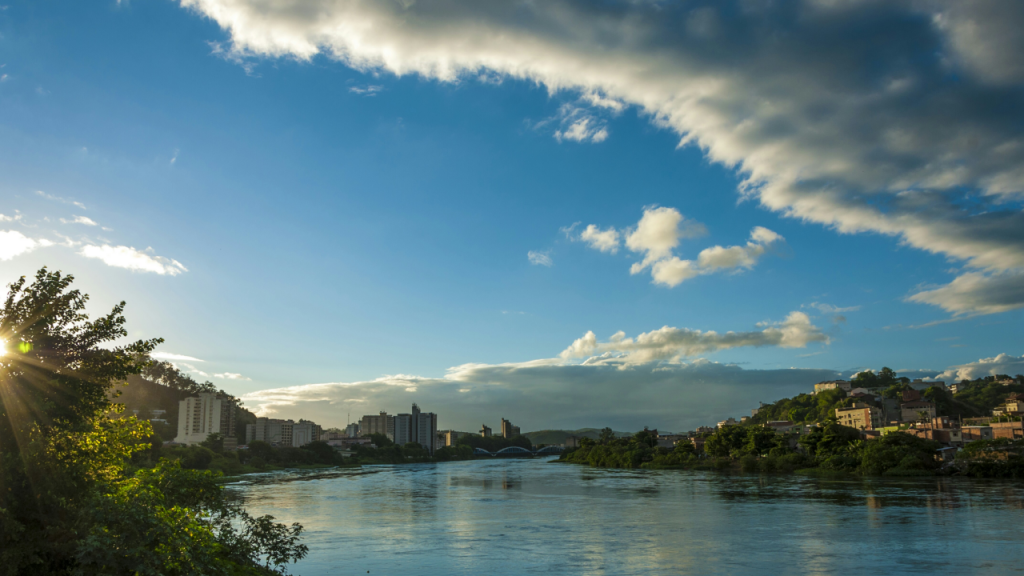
<point>560,436</point>
<point>144,395</point>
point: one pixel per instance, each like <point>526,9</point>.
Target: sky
<point>567,213</point>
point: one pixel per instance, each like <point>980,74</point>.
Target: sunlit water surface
<point>536,517</point>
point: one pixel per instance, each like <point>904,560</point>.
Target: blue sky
<point>289,200</point>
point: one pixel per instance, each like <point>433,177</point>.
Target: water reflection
<point>531,516</point>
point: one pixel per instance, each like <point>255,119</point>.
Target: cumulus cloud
<point>1001,364</point>
<point>79,220</point>
<point>673,271</point>
<point>910,130</point>
<point>540,258</point>
<point>132,259</point>
<point>668,343</point>
<point>657,233</point>
<point>603,240</point>
<point>14,243</point>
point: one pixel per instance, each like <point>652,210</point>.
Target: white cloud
<point>539,395</point>
<point>668,343</point>
<point>79,220</point>
<point>15,218</point>
<point>369,90</point>
<point>171,356</point>
<point>174,157</point>
<point>1001,364</point>
<point>922,144</point>
<point>603,240</point>
<point>540,258</point>
<point>829,308</point>
<point>14,243</point>
<point>59,199</point>
<point>132,259</point>
<point>230,376</point>
<point>673,271</point>
<point>580,125</point>
<point>657,233</point>
<point>975,293</point>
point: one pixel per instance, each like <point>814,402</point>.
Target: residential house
<point>917,410</point>
<point>860,416</point>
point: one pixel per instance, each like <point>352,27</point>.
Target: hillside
<point>150,392</point>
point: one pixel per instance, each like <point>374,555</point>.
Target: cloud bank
<point>910,130</point>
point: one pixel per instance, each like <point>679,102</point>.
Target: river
<point>531,516</point>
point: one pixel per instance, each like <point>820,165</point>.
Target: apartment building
<point>860,416</point>
<point>381,424</point>
<point>508,430</point>
<point>202,415</point>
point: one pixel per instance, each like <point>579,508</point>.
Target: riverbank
<point>829,450</point>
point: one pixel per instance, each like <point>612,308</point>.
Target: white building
<point>202,415</point>
<point>305,432</point>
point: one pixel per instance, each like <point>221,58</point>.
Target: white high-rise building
<point>202,415</point>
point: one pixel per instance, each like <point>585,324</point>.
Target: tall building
<point>283,432</point>
<point>352,430</point>
<point>508,430</point>
<point>485,430</point>
<point>419,427</point>
<point>305,432</point>
<point>202,415</point>
<point>382,424</point>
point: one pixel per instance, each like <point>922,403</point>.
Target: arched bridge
<point>520,451</point>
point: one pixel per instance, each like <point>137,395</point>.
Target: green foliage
<point>984,394</point>
<point>72,500</point>
<point>804,408</point>
<point>459,452</point>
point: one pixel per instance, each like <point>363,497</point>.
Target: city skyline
<point>487,214</point>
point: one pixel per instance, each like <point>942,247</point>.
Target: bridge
<point>519,451</point>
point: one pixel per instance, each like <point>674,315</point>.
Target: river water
<point>531,516</point>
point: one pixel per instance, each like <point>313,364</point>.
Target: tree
<point>606,435</point>
<point>70,502</point>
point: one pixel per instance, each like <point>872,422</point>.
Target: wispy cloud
<point>59,199</point>
<point>829,308</point>
<point>132,259</point>
<point>230,376</point>
<point>79,220</point>
<point>368,90</point>
<point>171,356</point>
<point>540,258</point>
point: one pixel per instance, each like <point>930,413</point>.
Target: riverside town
<point>453,288</point>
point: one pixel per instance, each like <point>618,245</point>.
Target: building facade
<point>418,427</point>
<point>508,430</point>
<point>380,424</point>
<point>860,416</point>
<point>202,415</point>
<point>283,432</point>
<point>485,430</point>
<point>352,430</point>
